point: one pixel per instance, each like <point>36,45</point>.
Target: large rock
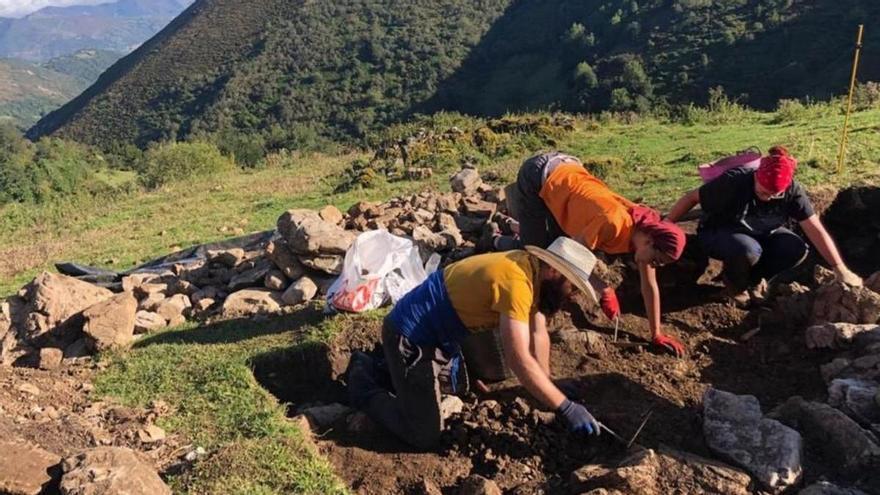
<point>110,324</point>
<point>275,280</point>
<point>844,444</point>
<point>466,181</point>
<point>650,473</point>
<point>834,335</point>
<point>736,430</point>
<point>856,398</point>
<point>26,469</point>
<point>330,214</point>
<point>306,233</point>
<point>433,242</point>
<point>174,308</point>
<point>50,358</point>
<point>279,252</point>
<point>147,321</point>
<point>110,471</point>
<point>53,299</point>
<point>837,302</point>
<point>226,257</point>
<point>330,264</point>
<point>249,302</point>
<point>303,290</point>
<point>478,485</point>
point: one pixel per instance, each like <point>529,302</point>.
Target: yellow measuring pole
<point>852,85</point>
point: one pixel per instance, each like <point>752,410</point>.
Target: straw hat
<point>570,258</point>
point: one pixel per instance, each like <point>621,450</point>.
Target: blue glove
<point>578,418</point>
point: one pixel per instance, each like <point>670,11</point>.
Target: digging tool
<point>629,443</point>
<point>616,326</point>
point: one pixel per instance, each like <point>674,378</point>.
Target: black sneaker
<point>361,379</point>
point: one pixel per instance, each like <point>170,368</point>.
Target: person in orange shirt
<point>555,195</point>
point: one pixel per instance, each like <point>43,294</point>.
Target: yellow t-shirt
<point>484,287</point>
<point>587,210</point>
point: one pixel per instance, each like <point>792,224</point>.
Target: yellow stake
<point>852,84</point>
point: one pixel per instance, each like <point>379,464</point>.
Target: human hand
<point>670,344</point>
<point>844,275</point>
<point>578,418</point>
<point>609,303</point>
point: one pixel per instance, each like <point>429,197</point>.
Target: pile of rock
<point>58,317</point>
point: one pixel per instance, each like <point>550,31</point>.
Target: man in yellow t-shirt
<point>555,195</point>
<point>513,291</point>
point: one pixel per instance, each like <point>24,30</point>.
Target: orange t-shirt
<point>587,210</point>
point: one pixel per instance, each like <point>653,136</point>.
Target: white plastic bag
<point>378,266</point>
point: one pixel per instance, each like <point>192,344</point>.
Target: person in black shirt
<point>745,213</point>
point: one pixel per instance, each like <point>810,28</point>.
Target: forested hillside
<point>277,70</point>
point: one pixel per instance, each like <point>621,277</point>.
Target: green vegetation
<point>346,69</point>
<point>170,162</point>
<point>205,375</point>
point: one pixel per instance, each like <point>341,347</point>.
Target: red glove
<point>610,304</point>
<point>671,344</point>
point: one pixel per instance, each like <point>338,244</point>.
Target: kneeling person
<point>513,291</point>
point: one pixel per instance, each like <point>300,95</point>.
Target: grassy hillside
<point>28,91</point>
<point>278,69</point>
<point>648,159</point>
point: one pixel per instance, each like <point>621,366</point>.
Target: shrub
<point>866,95</point>
<point>169,162</point>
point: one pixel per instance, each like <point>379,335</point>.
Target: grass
<point>205,375</point>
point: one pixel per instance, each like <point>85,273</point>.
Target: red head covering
<point>776,171</point>
<point>668,238</point>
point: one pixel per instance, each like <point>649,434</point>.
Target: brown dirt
<point>63,418</point>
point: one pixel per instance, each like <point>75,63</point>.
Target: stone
<point>736,430</point>
<point>330,264</point>
<point>151,434</point>
<point>174,307</point>
<point>478,207</point>
<point>250,302</point>
<point>301,291</point>
<point>185,287</point>
<point>649,472</point>
<point>588,341</point>
<point>308,234</point>
<point>466,181</point>
<point>280,254</point>
<point>50,358</point>
<point>450,405</point>
<point>330,214</point>
<point>204,304</point>
<point>448,203</point>
<point>845,445</point>
<point>325,416</point>
<point>28,388</point>
<point>211,293</point>
<point>110,324</point>
<point>835,335</point>
<point>434,242</point>
<point>226,257</point>
<point>110,471</point>
<point>275,280</point>
<point>151,302</point>
<point>26,469</point>
<point>135,280</point>
<point>826,488</point>
<point>426,487</point>
<point>147,321</point>
<point>831,370</point>
<point>250,278</point>
<point>856,398</point>
<point>837,302</point>
<point>478,485</point>
<point>53,299</point>
<point>144,290</point>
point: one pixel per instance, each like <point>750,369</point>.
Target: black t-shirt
<point>730,201</point>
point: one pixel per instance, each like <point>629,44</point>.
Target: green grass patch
<point>205,374</point>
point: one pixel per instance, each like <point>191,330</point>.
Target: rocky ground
<point>782,397</point>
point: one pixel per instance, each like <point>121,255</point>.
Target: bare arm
<point>684,205</point>
<point>651,296</point>
<point>540,344</point>
<point>822,240</point>
<point>515,337</point>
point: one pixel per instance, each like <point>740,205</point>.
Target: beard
<point>552,297</point>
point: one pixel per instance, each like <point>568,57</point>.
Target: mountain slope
<point>28,91</point>
<point>58,31</point>
<point>344,68</point>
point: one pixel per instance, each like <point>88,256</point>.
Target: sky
<point>18,8</point>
